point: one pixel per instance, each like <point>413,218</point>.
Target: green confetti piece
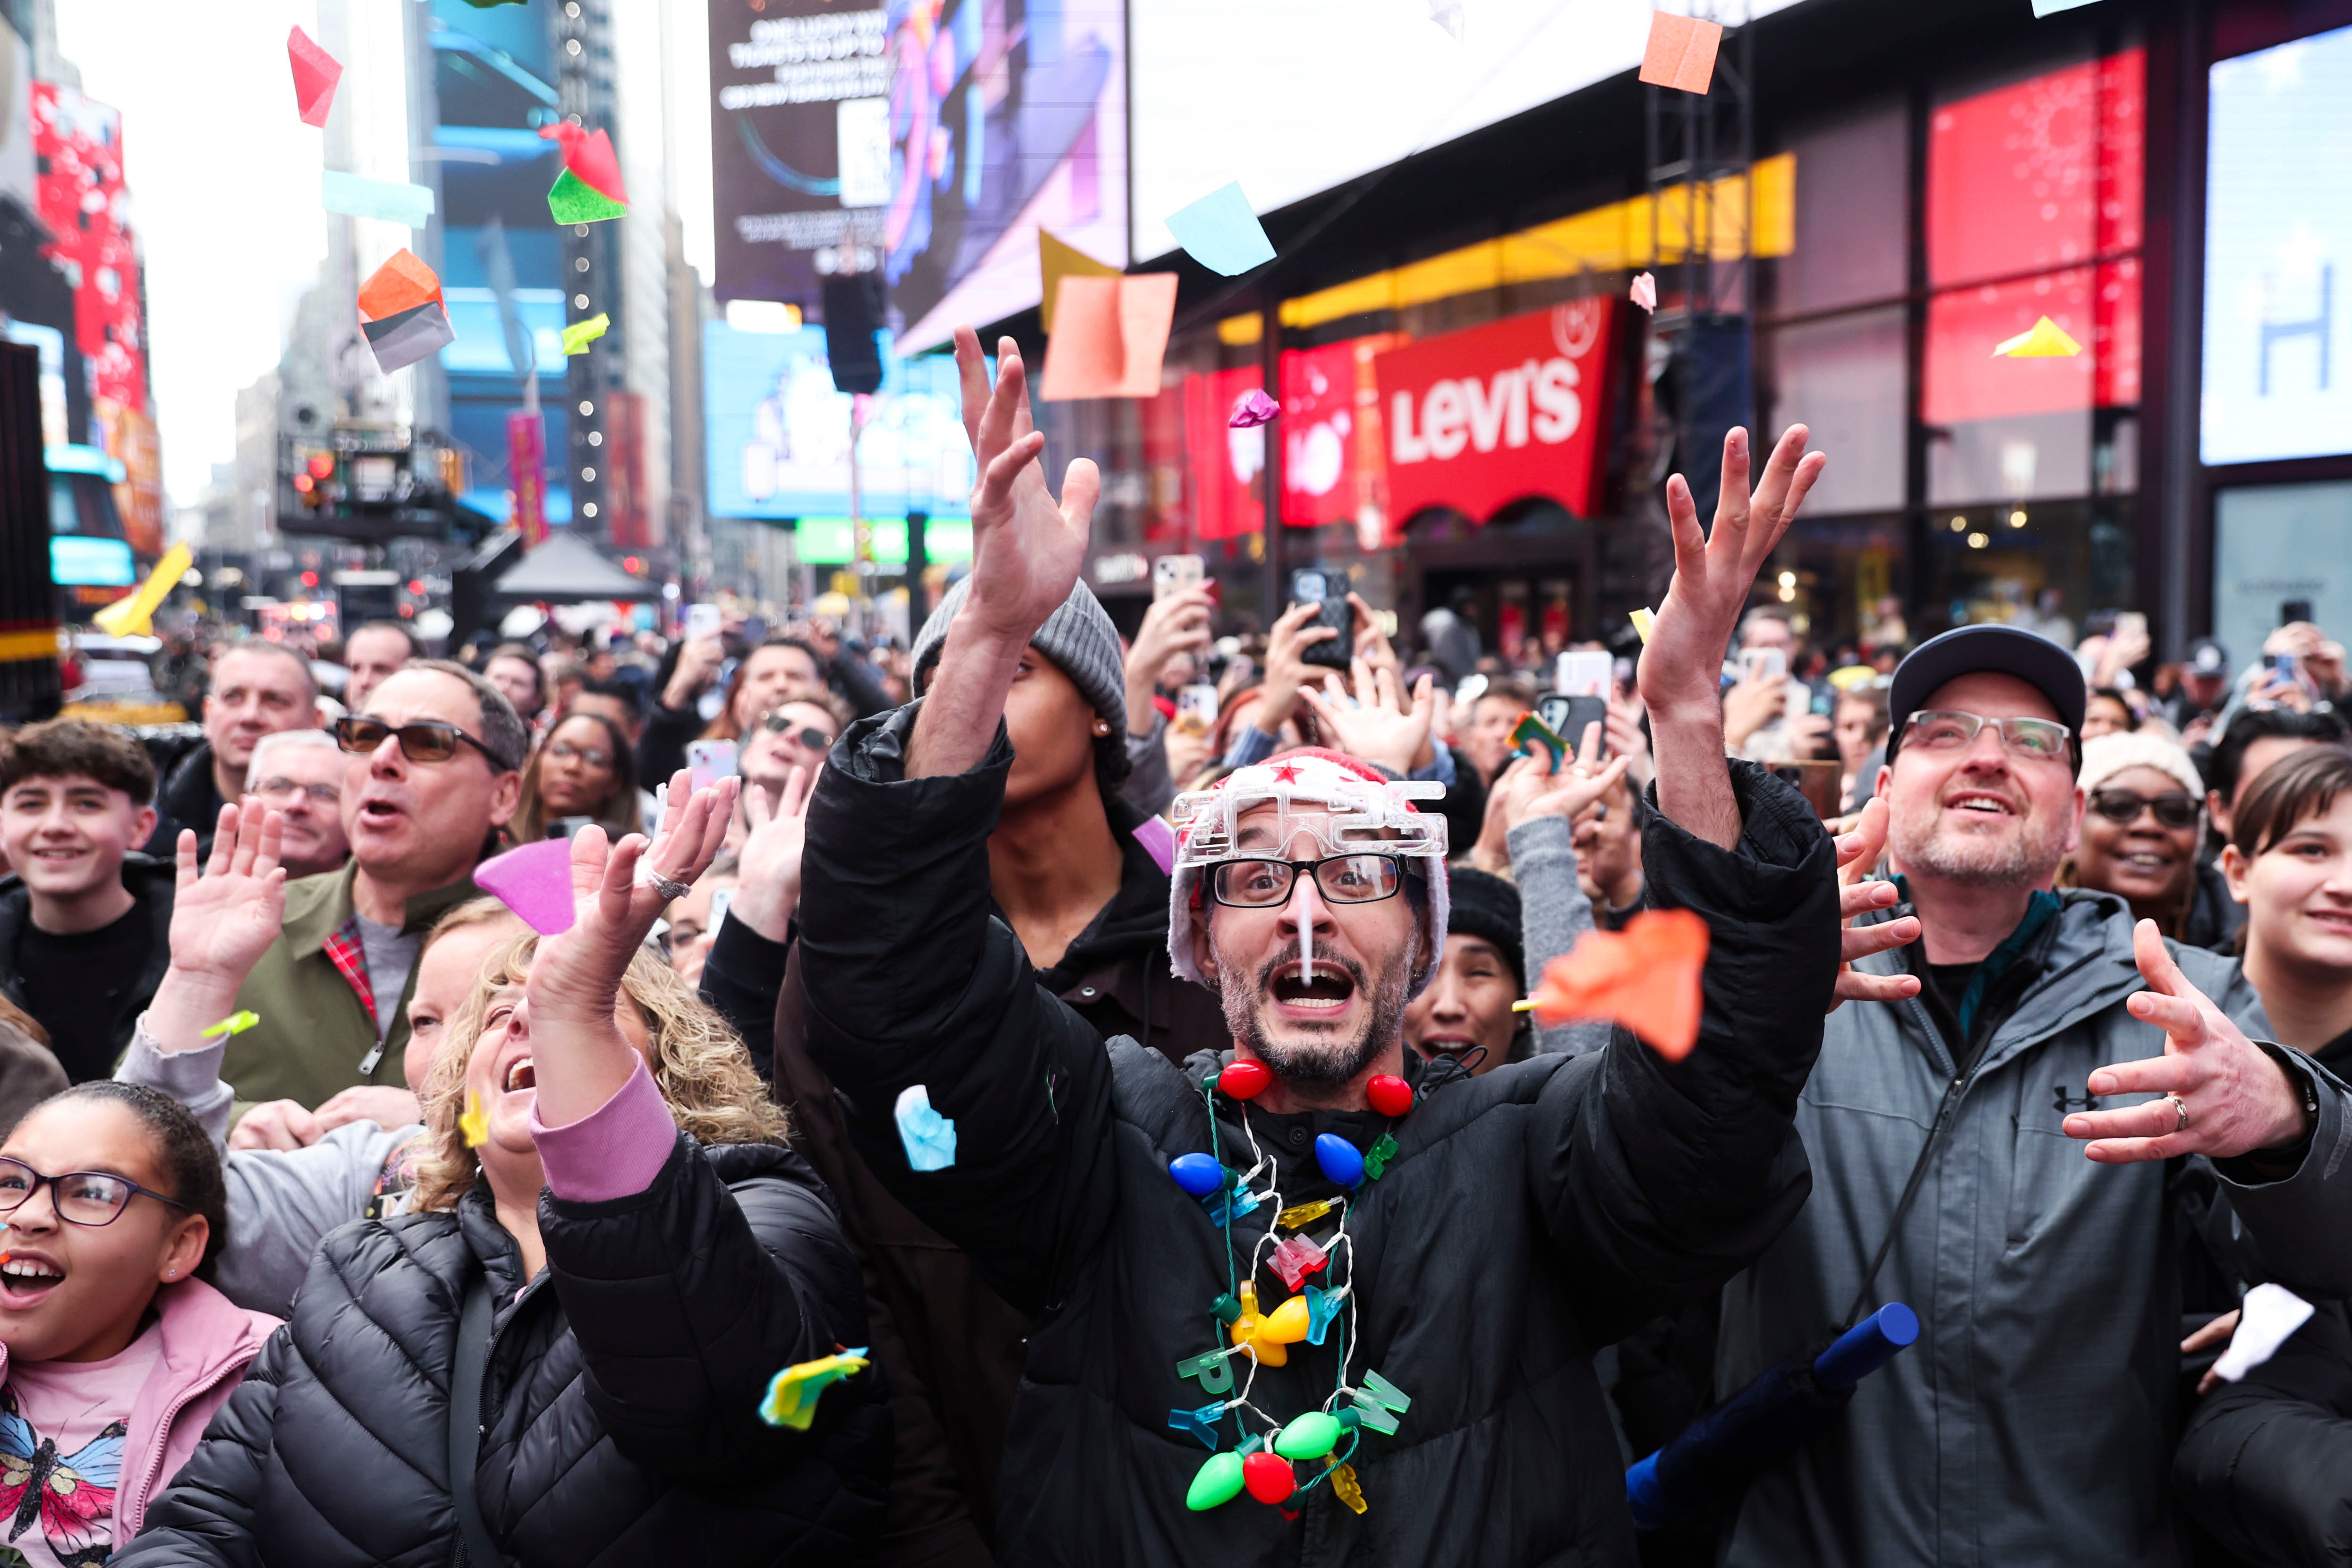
<point>580,334</point>
<point>574,200</point>
<point>235,1024</point>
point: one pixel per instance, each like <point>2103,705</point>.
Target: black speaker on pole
<point>853,315</point>
<point>1713,383</point>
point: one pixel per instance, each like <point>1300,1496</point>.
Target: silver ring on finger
<point>2181,1108</point>
<point>670,888</point>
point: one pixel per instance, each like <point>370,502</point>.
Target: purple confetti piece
<point>534,882</point>
<point>1255,407</point>
<point>1158,841</point>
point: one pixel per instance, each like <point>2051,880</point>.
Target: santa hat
<point>1346,802</point>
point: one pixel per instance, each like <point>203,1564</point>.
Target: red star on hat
<point>1285,772</point>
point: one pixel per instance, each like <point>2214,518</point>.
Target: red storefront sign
<point>1477,419</point>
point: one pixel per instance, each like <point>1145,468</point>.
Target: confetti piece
<point>1642,621</point>
<point>132,616</point>
<point>1644,292</point>
<point>474,1123</point>
<point>1252,408</point>
<point>2266,1320</point>
<point>388,201</point>
<point>1448,14</point>
<point>1681,52</point>
<point>588,155</point>
<point>1221,232</point>
<point>401,283</point>
<point>400,340</point>
<point>2044,339</point>
<point>1645,977</point>
<point>1531,731</point>
<point>235,1024</point>
<point>1110,335</point>
<point>535,882</point>
<point>793,1393</point>
<point>2051,7</point>
<point>574,200</point>
<point>316,72</point>
<point>1057,259</point>
<point>580,334</point>
<point>929,1138</point>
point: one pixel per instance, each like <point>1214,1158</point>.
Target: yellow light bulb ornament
<point>1268,1336</point>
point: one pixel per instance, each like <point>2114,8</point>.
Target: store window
<point>1852,197</point>
<point>2278,554</point>
<point>1844,377</point>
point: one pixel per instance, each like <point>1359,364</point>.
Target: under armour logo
<point>2064,1103</point>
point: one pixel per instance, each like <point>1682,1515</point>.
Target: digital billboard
<point>2278,226</point>
<point>778,433</point>
<point>1296,98</point>
<point>929,138</point>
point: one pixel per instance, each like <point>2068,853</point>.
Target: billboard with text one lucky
<point>1518,408</point>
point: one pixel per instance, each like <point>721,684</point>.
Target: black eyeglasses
<point>80,1197</point>
<point>808,735</point>
<point>424,740</point>
<point>2123,806</point>
<point>1342,879</point>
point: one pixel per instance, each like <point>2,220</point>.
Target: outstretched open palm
<point>223,921</point>
<point>1026,547</point>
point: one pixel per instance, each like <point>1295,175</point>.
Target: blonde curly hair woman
<point>560,1352</point>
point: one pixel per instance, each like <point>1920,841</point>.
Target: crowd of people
<point>1110,1053</point>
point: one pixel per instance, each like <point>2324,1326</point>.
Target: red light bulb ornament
<point>1244,1079</point>
<point>1390,1095</point>
<point>1269,1478</point>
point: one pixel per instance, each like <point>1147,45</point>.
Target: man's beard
<point>1330,1061</point>
<point>2026,859</point>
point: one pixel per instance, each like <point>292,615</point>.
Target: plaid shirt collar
<point>346,951</point>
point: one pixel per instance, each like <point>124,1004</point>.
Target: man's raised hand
<point>1027,548</point>
<point>2223,1094</point>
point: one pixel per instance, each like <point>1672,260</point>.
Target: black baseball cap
<point>2207,656</point>
<point>2006,650</point>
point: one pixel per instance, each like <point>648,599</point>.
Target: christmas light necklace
<point>1263,1461</point>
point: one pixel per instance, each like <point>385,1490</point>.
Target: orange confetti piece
<point>1645,977</point>
<point>1681,52</point>
<point>401,283</point>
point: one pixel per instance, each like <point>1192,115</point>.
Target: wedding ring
<point>670,889</point>
<point>2182,1107</point>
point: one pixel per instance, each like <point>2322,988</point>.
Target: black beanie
<point>1486,907</point>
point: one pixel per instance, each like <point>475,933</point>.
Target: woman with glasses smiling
<point>2143,818</point>
<point>582,770</point>
<point>115,1349</point>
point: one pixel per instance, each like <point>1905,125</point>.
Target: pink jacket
<point>207,1342</point>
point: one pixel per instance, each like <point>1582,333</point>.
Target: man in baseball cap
<point>2030,1423</point>
<point>2204,686</point>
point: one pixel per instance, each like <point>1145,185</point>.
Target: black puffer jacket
<point>2265,1469</point>
<point>1528,1216</point>
<point>620,1406</point>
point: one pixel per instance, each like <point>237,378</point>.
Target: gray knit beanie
<point>1078,637</point>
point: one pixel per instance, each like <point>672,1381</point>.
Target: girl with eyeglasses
<point>2143,819</point>
<point>115,1349</point>
<point>583,768</point>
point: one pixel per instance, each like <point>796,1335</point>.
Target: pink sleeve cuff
<point>614,1150</point>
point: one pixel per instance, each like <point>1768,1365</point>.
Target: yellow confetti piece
<point>580,334</point>
<point>1345,1487</point>
<point>2044,340</point>
<point>1642,621</point>
<point>793,1393</point>
<point>235,1024</point>
<point>476,1122</point>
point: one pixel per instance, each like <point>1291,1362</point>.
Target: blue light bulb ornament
<point>1199,1174</point>
<point>1340,1160</point>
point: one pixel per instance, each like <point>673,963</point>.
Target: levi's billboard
<point>1478,419</point>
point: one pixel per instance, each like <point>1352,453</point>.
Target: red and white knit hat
<point>1346,802</point>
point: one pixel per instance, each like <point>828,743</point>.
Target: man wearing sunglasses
<point>431,770</point>
<point>2033,1422</point>
<point>1506,1226</point>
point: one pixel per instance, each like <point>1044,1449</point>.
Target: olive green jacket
<point>315,1038</point>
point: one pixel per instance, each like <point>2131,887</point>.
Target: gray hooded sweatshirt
<point>2034,1422</point>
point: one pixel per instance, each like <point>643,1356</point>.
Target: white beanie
<point>2104,756</point>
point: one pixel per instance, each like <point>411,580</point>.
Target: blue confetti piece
<point>1221,232</point>
<point>930,1137</point>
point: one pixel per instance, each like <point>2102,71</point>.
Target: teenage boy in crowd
<point>1559,1200</point>
<point>1074,873</point>
<point>257,688</point>
<point>84,918</point>
<point>431,771</point>
<point>298,773</point>
<point>2032,1422</point>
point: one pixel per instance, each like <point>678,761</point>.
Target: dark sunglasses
<point>425,741</point>
<point>2123,806</point>
<point>808,735</point>
<point>80,1197</point>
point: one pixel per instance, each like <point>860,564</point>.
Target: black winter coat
<point>619,1408</point>
<point>1528,1218</point>
<point>2265,1468</point>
